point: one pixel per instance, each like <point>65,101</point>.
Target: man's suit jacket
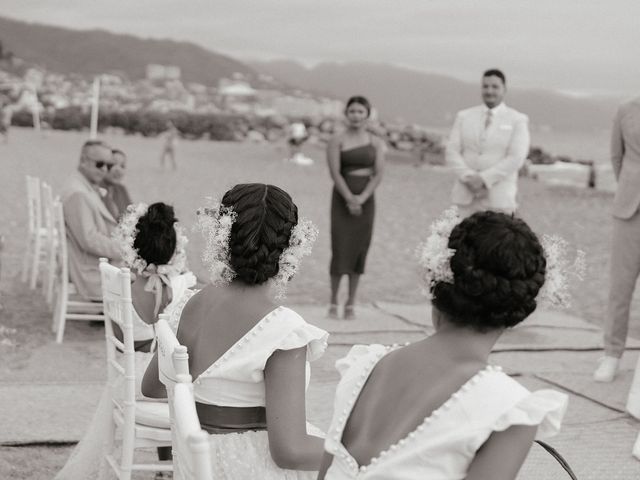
<point>89,225</point>
<point>625,159</point>
<point>496,154</point>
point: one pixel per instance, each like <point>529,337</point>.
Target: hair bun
<point>498,268</point>
<point>156,238</point>
<point>159,216</point>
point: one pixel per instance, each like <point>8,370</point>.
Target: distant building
<point>308,107</point>
<point>156,71</point>
<point>110,79</point>
<point>237,96</point>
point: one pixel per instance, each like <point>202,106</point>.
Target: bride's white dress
<point>236,379</point>
<point>87,458</point>
<point>444,445</point>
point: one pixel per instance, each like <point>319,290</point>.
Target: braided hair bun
<point>498,268</point>
<point>265,218</point>
<point>156,237</point>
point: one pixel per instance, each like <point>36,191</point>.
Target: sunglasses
<point>100,164</point>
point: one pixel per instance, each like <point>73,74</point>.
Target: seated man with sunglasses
<point>88,221</point>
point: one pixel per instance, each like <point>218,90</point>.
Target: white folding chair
<point>67,307</point>
<point>50,240</point>
<point>35,233</point>
<point>191,441</point>
<point>138,422</point>
<point>173,360</point>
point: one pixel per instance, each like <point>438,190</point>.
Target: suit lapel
<point>95,198</point>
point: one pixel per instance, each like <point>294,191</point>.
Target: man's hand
<point>474,183</point>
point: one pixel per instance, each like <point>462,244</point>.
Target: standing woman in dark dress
<point>356,161</point>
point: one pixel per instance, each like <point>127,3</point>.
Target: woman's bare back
<point>215,319</point>
<point>391,405</point>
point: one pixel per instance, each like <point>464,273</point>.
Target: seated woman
<point>248,355</point>
<point>436,408</point>
<point>153,246</point>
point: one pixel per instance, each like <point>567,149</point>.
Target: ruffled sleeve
<point>180,283</point>
<point>303,334</point>
<point>284,329</point>
<point>351,368</point>
<point>356,355</point>
<point>545,408</point>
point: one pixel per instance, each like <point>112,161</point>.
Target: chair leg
<point>35,263</point>
<point>51,273</point>
<point>26,262</point>
<point>108,444</point>
<point>46,254</point>
<point>62,316</point>
<point>55,320</point>
<point>128,442</point>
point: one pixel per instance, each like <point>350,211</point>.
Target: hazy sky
<point>571,45</point>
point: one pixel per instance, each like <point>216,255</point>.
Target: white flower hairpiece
<point>555,290</point>
<point>303,236</point>
<point>126,233</point>
<point>434,254</point>
<point>215,222</point>
<point>435,259</point>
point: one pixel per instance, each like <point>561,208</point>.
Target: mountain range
<point>89,52</point>
<point>399,94</point>
<point>431,99</point>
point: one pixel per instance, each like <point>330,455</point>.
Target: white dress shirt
<point>495,153</point>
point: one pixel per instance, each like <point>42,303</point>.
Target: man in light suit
<point>625,248</point>
<point>487,146</point>
<point>88,221</point>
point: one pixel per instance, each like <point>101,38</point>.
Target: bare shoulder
<point>191,311</point>
<point>335,141</point>
<point>143,301</point>
<point>378,143</point>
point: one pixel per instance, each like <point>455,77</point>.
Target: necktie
<point>487,120</point>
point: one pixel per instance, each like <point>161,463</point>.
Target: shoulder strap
<point>555,454</point>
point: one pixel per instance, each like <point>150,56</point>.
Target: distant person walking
<point>170,145</point>
<point>487,146</point>
<point>356,162</point>
<point>298,135</point>
<point>625,247</point>
<point>5,121</point>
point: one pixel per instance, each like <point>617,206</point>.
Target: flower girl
<point>248,354</point>
<point>436,408</point>
<point>153,247</point>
